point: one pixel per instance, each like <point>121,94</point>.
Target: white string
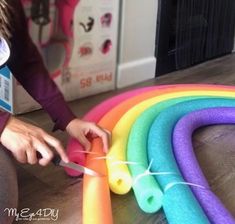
<point>100,158</point>
<point>147,172</point>
<point>172,184</point>
<point>86,152</point>
<point>118,162</point>
<point>168,186</point>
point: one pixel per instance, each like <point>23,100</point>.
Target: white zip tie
<point>123,162</point>
<point>100,158</point>
<point>149,173</point>
<point>170,185</point>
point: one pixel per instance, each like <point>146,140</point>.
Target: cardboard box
<point>13,98</point>
<point>92,65</point>
<point>81,62</point>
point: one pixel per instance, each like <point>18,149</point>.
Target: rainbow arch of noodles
<point>223,91</point>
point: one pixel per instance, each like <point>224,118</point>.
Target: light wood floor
<point>215,149</point>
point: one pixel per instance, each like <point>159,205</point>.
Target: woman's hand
<point>24,140</point>
<point>83,131</point>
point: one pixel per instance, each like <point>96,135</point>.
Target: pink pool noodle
<point>74,148</point>
<point>187,161</point>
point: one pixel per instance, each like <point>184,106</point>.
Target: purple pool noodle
<point>187,161</point>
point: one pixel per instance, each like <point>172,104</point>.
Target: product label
<point>89,80</point>
<point>6,89</point>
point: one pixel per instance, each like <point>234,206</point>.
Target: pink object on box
<point>106,46</point>
<point>66,10</point>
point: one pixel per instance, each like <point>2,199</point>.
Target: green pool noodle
<point>147,191</point>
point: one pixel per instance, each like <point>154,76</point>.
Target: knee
<point>8,187</point>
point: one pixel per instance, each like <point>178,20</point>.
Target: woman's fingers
<point>56,144</point>
<point>103,134</point>
<point>82,130</point>
<point>31,156</point>
<point>84,141</point>
<point>45,152</point>
<point>24,140</point>
<point>20,156</point>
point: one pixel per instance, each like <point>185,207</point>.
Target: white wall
<point>234,45</point>
<point>137,41</point>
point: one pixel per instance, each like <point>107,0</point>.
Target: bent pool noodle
<point>120,180</point>
<point>178,200</point>
<point>96,194</point>
<point>87,202</point>
<point>108,122</point>
<point>97,112</point>
<point>112,117</point>
<point>187,162</point>
<point>146,189</point>
<point>74,148</point>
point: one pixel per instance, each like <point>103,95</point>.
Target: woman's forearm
<point>28,68</point>
<point>4,117</point>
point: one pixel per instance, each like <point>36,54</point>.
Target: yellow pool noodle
<point>119,175</point>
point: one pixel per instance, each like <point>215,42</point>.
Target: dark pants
<point>8,186</point>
